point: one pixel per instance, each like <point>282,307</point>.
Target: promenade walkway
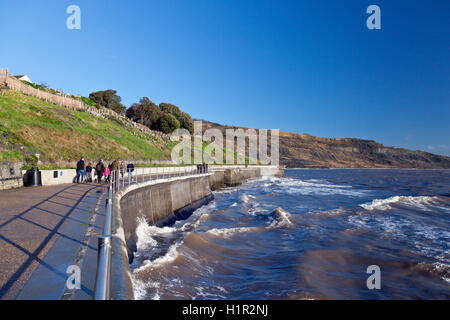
<point>43,231</point>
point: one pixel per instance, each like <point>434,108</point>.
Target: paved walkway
<point>44,230</point>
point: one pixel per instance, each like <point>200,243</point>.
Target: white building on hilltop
<point>23,78</point>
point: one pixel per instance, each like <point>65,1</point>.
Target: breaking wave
<point>387,204</point>
<point>311,187</point>
<point>242,245</point>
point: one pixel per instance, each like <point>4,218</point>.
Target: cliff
<point>305,151</point>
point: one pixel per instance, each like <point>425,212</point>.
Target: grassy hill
<point>35,131</point>
<point>32,130</point>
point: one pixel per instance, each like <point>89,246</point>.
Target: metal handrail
<point>102,278</point>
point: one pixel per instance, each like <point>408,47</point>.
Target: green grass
<point>31,129</point>
<point>29,126</point>
<point>34,85</point>
<point>88,101</point>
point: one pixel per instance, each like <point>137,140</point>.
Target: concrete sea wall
<point>10,175</point>
<point>160,203</point>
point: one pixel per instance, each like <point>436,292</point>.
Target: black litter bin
<point>34,178</point>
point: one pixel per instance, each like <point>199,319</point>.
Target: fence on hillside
<point>75,104</point>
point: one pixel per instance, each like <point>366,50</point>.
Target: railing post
<point>102,278</point>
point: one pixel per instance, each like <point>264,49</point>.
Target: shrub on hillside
<point>108,99</point>
<point>145,112</point>
<point>185,119</point>
<point>168,123</point>
<point>157,117</point>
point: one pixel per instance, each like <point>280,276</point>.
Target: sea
<point>312,234</point>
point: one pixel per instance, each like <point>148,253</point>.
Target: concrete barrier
<point>62,176</point>
<point>237,173</point>
<point>55,177</point>
<point>159,202</point>
<point>162,202</point>
<point>10,175</point>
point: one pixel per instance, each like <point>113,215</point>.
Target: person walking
<point>107,174</point>
<point>80,170</point>
<point>99,169</point>
<point>115,168</point>
<point>122,169</point>
<point>130,169</point>
<point>89,173</point>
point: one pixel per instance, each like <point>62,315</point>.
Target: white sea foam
<point>281,219</point>
<point>427,239</point>
<point>311,187</point>
<point>144,233</point>
<point>169,257</point>
<point>148,246</point>
<point>228,232</point>
<point>243,198</point>
<point>386,204</point>
<point>202,292</point>
<point>330,213</point>
<point>140,289</point>
<point>146,243</point>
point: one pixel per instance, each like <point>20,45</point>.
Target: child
<point>89,172</point>
<point>107,174</point>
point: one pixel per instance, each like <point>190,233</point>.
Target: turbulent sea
<point>334,224</point>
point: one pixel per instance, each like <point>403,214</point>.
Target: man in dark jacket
<point>130,169</point>
<point>80,170</point>
<point>99,169</point>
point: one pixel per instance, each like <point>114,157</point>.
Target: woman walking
<point>99,169</point>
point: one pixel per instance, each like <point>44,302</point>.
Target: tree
<point>185,119</point>
<point>168,123</point>
<point>108,99</point>
<point>166,117</point>
<point>145,112</point>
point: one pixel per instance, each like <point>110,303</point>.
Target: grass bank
<point>32,130</point>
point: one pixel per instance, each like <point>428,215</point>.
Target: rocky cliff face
<point>305,151</point>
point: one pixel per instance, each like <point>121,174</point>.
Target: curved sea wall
<point>161,203</point>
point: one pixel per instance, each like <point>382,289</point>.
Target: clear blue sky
<point>300,66</point>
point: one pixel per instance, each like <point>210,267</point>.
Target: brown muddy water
<point>334,225</point>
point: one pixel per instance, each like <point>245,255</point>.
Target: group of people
<point>202,168</point>
<point>85,173</point>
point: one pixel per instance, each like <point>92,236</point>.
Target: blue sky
<point>300,66</point>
